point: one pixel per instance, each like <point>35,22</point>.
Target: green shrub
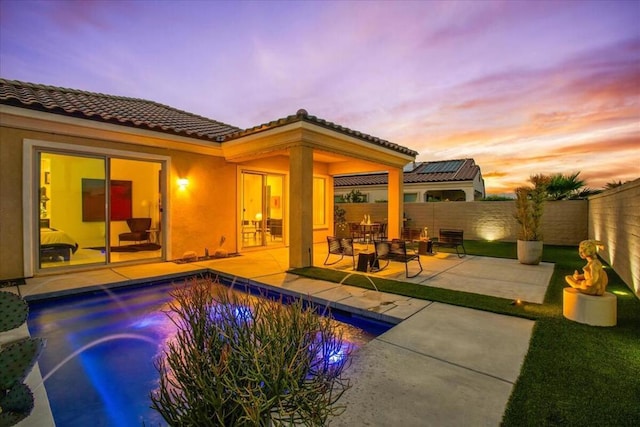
<point>246,361</point>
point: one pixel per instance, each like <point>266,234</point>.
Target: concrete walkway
<point>440,365</point>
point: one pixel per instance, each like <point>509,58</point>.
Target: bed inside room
<point>56,245</point>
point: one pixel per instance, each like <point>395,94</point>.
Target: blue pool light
<point>337,355</point>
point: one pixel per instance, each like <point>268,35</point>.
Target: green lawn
<point>573,374</point>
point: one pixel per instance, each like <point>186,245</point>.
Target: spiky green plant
<point>245,361</point>
<point>17,359</point>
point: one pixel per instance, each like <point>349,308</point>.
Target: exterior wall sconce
<point>182,183</point>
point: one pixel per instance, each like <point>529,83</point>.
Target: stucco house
<point>448,180</point>
<point>76,167</point>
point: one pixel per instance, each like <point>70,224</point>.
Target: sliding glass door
<point>262,212</point>
<point>95,209</point>
<point>68,227</point>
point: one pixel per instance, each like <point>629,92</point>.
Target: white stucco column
<point>469,194</point>
<point>301,206</point>
<point>395,203</point>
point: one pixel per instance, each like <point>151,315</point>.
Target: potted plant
<point>341,228</point>
<point>529,209</point>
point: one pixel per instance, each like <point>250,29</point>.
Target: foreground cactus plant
<point>245,361</point>
<point>14,311</point>
<point>17,358</point>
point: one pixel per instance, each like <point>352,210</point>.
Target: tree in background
<point>354,196</point>
<point>567,187</point>
<point>613,184</point>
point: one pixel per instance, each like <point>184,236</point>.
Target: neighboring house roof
<point>140,113</point>
<point>417,172</point>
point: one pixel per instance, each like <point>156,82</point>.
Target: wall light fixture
<point>182,183</point>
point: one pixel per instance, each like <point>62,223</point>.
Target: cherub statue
<point>594,279</point>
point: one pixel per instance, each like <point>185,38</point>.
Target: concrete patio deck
<point>440,365</point>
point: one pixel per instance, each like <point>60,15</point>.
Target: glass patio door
<point>96,209</point>
<point>262,218</point>
<point>71,210</point>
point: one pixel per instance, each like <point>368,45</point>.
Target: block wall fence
<point>563,223</point>
<point>613,217</point>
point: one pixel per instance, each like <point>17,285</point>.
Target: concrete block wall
<point>564,222</point>
<point>614,219</point>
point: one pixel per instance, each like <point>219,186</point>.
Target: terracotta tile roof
<point>140,113</point>
<point>119,110</point>
<point>302,115</point>
<point>441,171</point>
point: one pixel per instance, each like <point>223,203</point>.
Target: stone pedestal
<point>589,309</point>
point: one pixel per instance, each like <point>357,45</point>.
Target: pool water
<point>98,361</point>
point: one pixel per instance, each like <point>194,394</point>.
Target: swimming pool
<point>98,361</point>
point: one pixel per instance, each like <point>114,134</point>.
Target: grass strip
<point>573,374</point>
<point>413,290</point>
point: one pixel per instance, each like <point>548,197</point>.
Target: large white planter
<point>529,252</point>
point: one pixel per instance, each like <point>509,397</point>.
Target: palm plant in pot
<point>529,209</point>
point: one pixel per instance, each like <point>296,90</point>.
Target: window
<point>319,201</point>
<point>410,197</point>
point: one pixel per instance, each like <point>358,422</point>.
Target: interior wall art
<point>94,196</point>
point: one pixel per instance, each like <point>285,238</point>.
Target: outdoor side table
<point>425,247</point>
<point>366,260</point>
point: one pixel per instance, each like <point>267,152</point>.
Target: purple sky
<point>522,87</point>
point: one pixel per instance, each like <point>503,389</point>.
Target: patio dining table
<point>370,231</point>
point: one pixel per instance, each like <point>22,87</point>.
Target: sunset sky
<point>522,87</point>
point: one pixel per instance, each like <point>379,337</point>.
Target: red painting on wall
<point>94,196</point>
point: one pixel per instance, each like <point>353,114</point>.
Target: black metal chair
<point>396,250</point>
<point>275,228</point>
<point>342,247</point>
<point>356,231</point>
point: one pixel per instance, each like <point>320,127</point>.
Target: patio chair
<point>382,234</point>
<point>355,231</point>
<point>342,247</point>
<point>396,250</point>
<point>275,228</point>
<point>139,231</point>
<point>248,229</point>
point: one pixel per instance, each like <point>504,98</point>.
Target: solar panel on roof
<point>442,167</point>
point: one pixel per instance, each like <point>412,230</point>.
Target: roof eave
<point>45,121</point>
